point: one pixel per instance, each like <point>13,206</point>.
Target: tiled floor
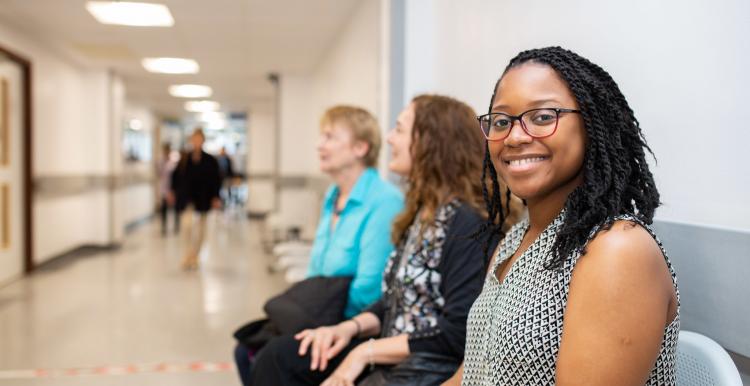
<point>134,305</point>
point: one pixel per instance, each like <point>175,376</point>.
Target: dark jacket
<point>196,183</point>
<point>313,302</point>
<point>461,269</point>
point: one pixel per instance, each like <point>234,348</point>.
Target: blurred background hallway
<point>92,92</point>
<point>134,306</point>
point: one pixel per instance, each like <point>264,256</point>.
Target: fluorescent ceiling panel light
<point>201,106</point>
<point>210,116</point>
<point>130,13</point>
<point>171,65</point>
<point>136,124</point>
<point>190,91</point>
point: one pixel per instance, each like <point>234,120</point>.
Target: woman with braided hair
<point>580,293</point>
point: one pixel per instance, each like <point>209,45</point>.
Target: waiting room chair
<point>702,362</point>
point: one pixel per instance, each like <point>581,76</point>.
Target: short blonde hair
<point>361,123</point>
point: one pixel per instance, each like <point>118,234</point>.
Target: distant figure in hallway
<point>196,183</point>
<point>226,171</point>
<point>177,189</point>
<point>164,169</point>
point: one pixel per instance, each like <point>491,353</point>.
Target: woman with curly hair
<point>580,293</point>
<point>414,335</point>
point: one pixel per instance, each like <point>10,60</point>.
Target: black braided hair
<point>616,177</point>
<point>492,228</point>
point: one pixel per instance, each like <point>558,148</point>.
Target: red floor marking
<point>101,370</point>
<point>191,367</point>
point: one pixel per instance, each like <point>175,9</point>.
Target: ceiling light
<point>190,91</point>
<point>212,116</point>
<point>171,65</point>
<point>201,106</point>
<point>136,124</point>
<point>130,13</point>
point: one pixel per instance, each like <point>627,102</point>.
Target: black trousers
<point>278,364</point>
<point>164,211</point>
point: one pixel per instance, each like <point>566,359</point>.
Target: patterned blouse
<point>414,276</point>
<point>431,280</point>
<point>515,327</point>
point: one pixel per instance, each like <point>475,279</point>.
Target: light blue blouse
<point>361,241</point>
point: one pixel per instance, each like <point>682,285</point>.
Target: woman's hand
<point>349,369</point>
<point>325,342</point>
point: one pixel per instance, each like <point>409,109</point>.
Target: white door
<point>11,172</point>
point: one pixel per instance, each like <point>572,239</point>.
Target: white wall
<point>69,103</point>
<point>261,135</point>
<point>135,202</point>
<point>64,223</point>
<point>77,117</point>
<point>260,160</point>
<point>671,59</point>
<point>298,126</point>
<point>70,119</point>
<point>349,73</point>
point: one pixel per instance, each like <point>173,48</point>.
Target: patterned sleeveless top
<point>514,328</point>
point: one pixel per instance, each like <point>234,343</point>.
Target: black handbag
<point>419,369</point>
<point>313,302</point>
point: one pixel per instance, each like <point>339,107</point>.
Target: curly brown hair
<point>447,149</point>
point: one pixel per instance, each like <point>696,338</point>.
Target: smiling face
<point>535,168</point>
<point>400,141</point>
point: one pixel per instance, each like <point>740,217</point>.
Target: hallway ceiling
<point>236,42</point>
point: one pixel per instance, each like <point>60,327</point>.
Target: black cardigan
<point>462,273</point>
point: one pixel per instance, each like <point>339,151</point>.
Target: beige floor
<point>134,305</point>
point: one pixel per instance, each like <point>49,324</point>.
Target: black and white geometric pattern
<point>514,328</point>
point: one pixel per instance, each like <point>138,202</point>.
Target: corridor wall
<point>60,91</point>
<point>77,118</point>
<point>348,72</point>
<point>260,160</point>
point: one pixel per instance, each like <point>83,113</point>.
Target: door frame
<point>26,165</point>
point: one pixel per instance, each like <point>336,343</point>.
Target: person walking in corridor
<point>164,169</point>
<point>198,182</point>
<point>226,172</point>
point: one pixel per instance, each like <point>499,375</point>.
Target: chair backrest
<point>702,362</point>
